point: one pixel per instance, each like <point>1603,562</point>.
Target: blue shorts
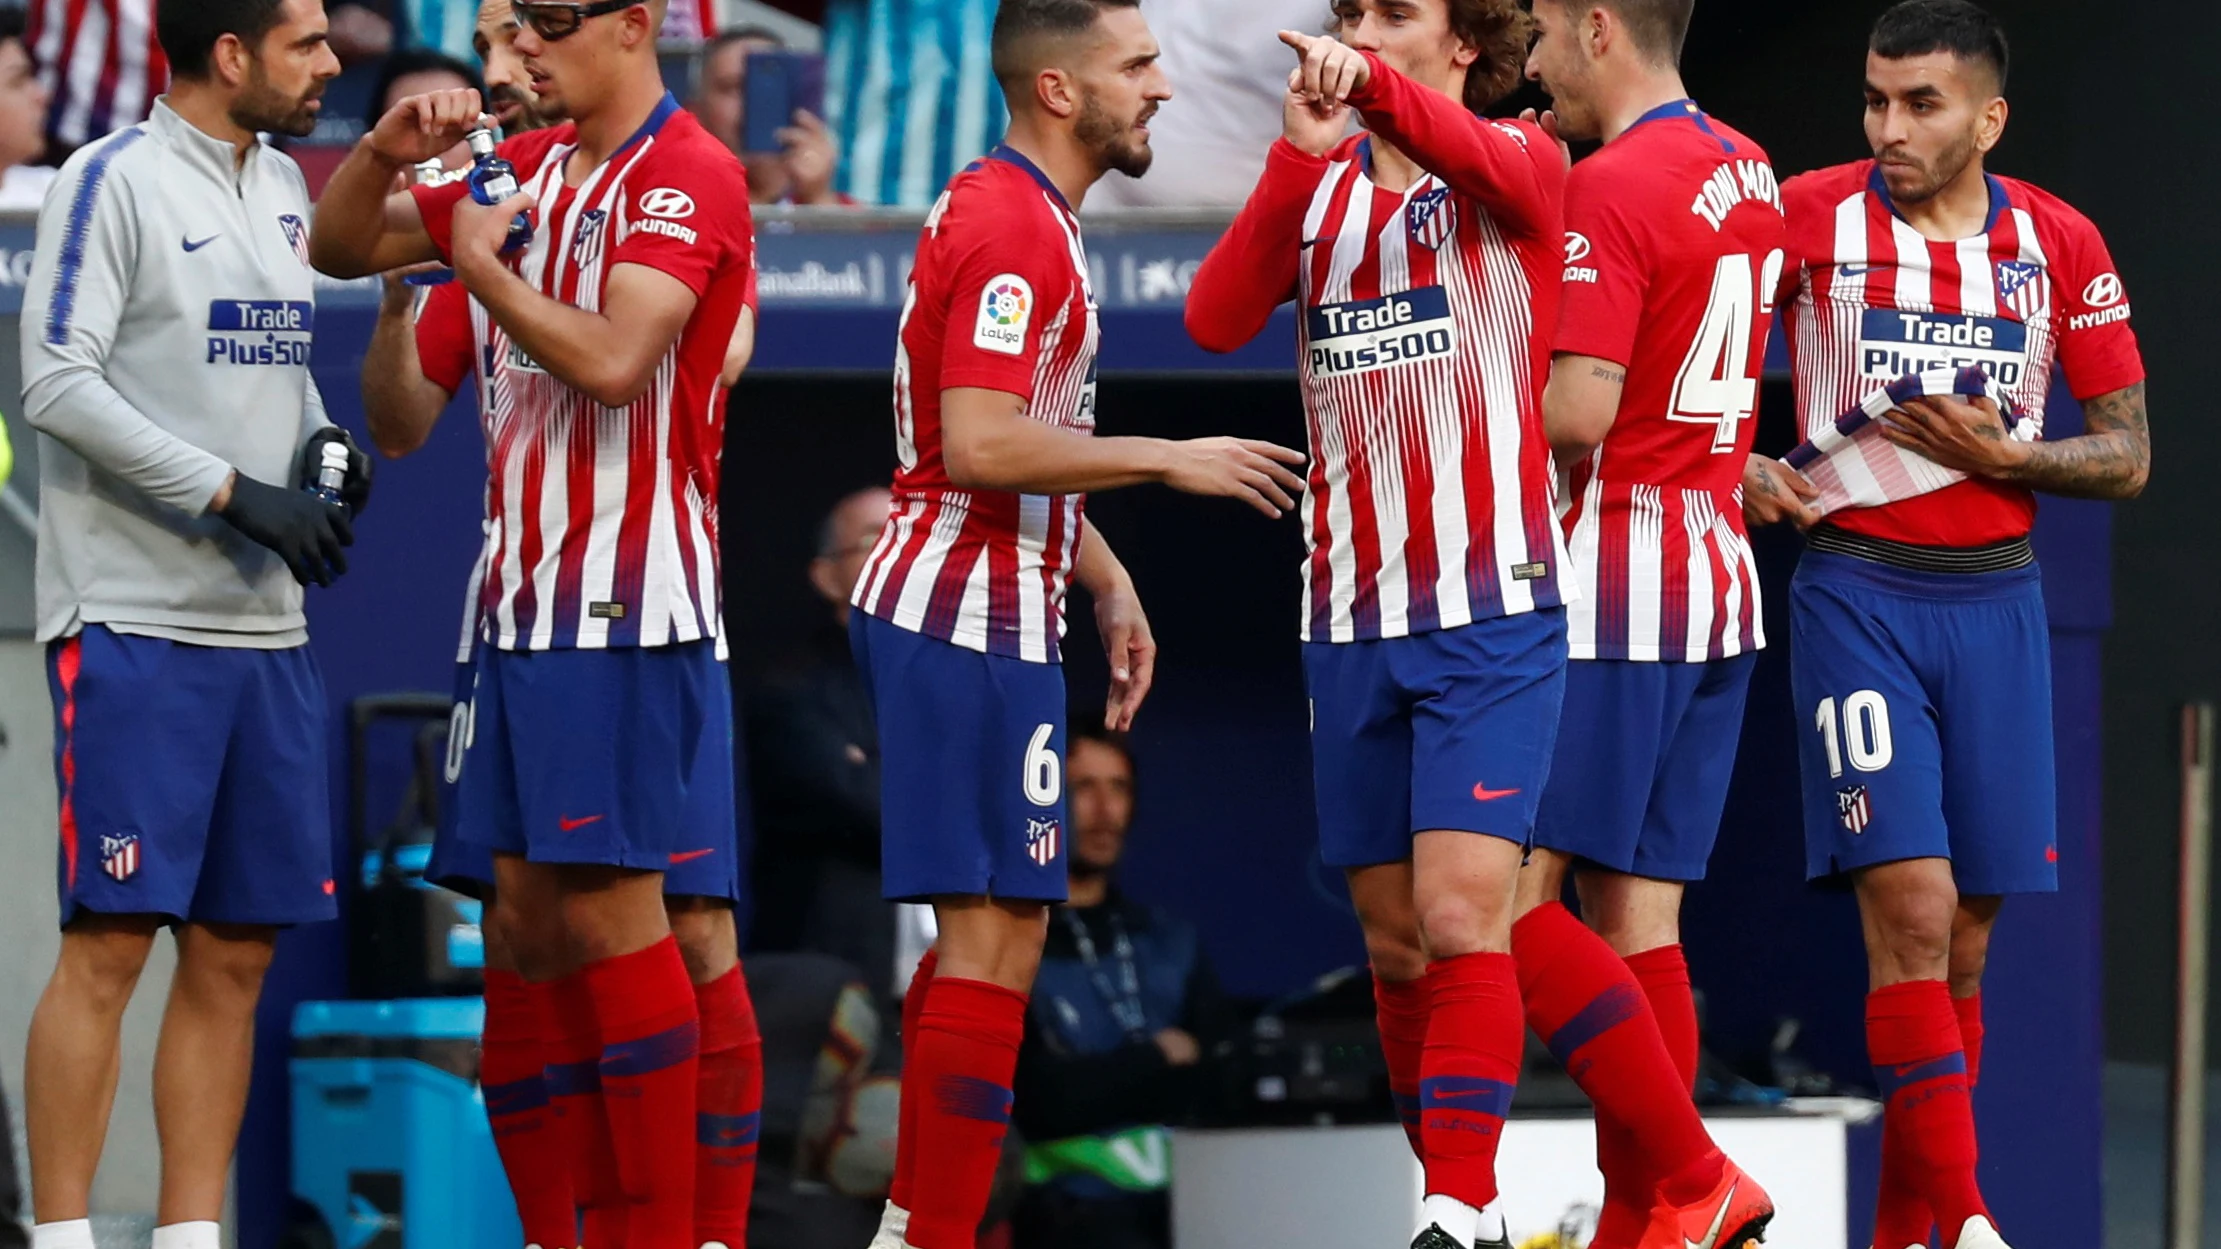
<point>467,866</point>
<point>592,757</point>
<point>971,759</point>
<point>1449,730</point>
<point>195,781</point>
<point>1924,708</point>
<point>1645,753</point>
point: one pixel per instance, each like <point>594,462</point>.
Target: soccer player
<point>1917,630</point>
<point>1424,254</point>
<point>960,608</point>
<point>601,676</point>
<point>414,366</point>
<point>166,333</point>
<point>1673,254</point>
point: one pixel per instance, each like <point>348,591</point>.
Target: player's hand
<point>301,529</point>
<point>424,126</point>
<point>1331,69</point>
<point>355,490</point>
<point>1259,473</point>
<point>1969,436</point>
<point>810,153</point>
<point>1314,126</point>
<point>1548,120</point>
<point>478,233</point>
<point>1180,1049</point>
<point>1132,651</point>
<point>1773,491</point>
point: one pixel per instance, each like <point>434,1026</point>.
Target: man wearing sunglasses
<point>601,670</point>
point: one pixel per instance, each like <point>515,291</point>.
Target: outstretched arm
<point>1253,269</point>
<point>2111,459</point>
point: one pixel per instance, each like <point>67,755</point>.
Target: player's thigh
<point>1611,736</point>
<point>1360,754</point>
<point>1021,796</point>
<point>604,742</point>
<point>482,767</point>
<point>2000,783</point>
<point>269,858</point>
<point>140,731</point>
<point>707,864</point>
<point>1868,753</point>
<point>1695,768</point>
<point>1486,701</point>
<point>931,699</point>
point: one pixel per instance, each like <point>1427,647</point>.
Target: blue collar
<point>1687,109</point>
<point>1012,156</point>
<point>663,112</point>
<point>1999,201</point>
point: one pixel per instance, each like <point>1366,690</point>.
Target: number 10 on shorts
<point>1863,729</point>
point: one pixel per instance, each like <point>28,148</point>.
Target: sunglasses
<point>555,20</point>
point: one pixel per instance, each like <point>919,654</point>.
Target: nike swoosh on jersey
<point>570,824</point>
<point>192,246</point>
<point>1719,1219</point>
<point>1857,271</point>
<point>688,856</point>
<point>1482,793</point>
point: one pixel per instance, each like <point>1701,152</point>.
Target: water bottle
<point>331,473</point>
<point>493,180</point>
<point>429,173</point>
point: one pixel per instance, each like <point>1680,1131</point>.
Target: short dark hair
<point>1502,31</point>
<point>1658,27</point>
<point>1087,726</point>
<point>188,29</point>
<point>1967,31</point>
<point>1020,25</point>
<point>416,61</point>
<point>11,25</point>
<point>731,35</point>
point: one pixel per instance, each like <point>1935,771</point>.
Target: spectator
<point>1230,74</point>
<point>1124,1013</point>
<point>417,71</point>
<point>100,66</point>
<point>813,751</point>
<point>801,172</point>
<point>22,123</point>
<point>910,94</point>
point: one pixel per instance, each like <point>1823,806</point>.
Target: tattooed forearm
<point>1606,373</point>
<point>2111,459</point>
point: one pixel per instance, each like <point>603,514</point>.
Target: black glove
<point>304,531</point>
<point>355,491</point>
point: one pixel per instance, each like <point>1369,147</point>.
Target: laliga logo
<point>2104,291</point>
<point>668,203</point>
<point>1007,304</point>
<point>1576,247</point>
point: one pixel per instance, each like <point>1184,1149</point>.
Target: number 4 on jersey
<point>1717,385</point>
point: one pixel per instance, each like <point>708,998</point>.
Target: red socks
<point>1913,1039</point>
<point>1901,1215</point>
<point>1468,1069</point>
<point>1586,1005</point>
<point>1629,1185</point>
<point>1401,1008</point>
<point>906,1122</point>
<point>573,1052</point>
<point>511,1074</point>
<point>728,1111</point>
<point>644,1005</point>
<point>965,1057</point>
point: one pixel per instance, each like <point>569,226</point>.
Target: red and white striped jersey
<point>603,521</point>
<point>99,62</point>
<point>999,299</point>
<point>1426,319</point>
<point>1673,256</point>
<point>1874,300</point>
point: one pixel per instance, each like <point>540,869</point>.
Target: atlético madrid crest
<point>2024,287</point>
<point>1433,218</point>
<point>119,856</point>
<point>1852,805</point>
<point>1042,835</point>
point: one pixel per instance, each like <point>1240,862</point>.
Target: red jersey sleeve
<point>1607,270</point>
<point>1511,167</point>
<point>443,337</point>
<point>2090,308</point>
<point>1008,274</point>
<point>687,217</point>
<point>1252,269</point>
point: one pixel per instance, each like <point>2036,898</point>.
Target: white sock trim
<point>197,1234</point>
<point>63,1234</point>
<point>1461,1221</point>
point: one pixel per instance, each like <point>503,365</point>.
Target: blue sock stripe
<point>655,1052</point>
<point>1467,1095</point>
<point>1609,1010</point>
<point>573,1079</point>
<point>728,1131</point>
<point>969,1098</point>
<point>516,1097</point>
<point>1894,1078</point>
<point>1407,1106</point>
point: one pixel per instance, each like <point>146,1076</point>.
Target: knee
<point>1970,956</point>
<point>1395,952</point>
<point>706,935</point>
<point>1454,924</point>
<point>101,966</point>
<point>228,965</point>
<point>1914,937</point>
